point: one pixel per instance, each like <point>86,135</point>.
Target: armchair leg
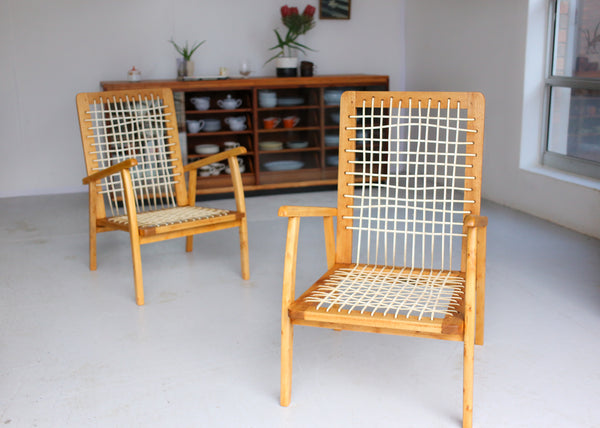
<point>244,249</point>
<point>136,257</point>
<point>93,259</point>
<point>189,243</point>
<point>468,384</point>
<point>287,344</point>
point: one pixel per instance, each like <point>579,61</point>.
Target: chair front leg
<point>93,226</point>
<point>287,329</point>
<point>134,236</point>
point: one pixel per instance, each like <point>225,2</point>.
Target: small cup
<point>290,121</point>
<point>194,126</point>
<point>271,122</point>
<point>228,145</point>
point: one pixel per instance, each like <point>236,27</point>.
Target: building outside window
<point>573,88</point>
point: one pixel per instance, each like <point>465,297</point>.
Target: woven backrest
<point>118,125</point>
<point>409,171</point>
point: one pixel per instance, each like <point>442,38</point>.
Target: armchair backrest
<point>409,172</point>
<point>140,124</point>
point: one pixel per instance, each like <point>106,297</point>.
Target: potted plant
<point>297,24</point>
<point>185,65</point>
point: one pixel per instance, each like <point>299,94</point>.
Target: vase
<point>189,68</point>
<point>180,68</point>
<point>287,66</point>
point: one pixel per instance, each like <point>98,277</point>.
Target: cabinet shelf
<point>316,120</point>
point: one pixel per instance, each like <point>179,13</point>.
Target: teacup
<point>236,123</point>
<point>212,169</point>
<point>228,145</point>
<point>290,121</point>
<point>241,166</point>
<point>271,122</point>
<point>194,126</point>
<point>229,103</point>
<point>201,103</point>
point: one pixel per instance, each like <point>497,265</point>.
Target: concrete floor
<point>75,350</point>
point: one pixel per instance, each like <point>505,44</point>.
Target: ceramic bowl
<point>206,149</point>
<point>212,125</point>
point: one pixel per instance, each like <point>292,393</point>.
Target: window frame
<point>566,163</point>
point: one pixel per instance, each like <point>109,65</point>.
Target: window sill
<point>557,174</point>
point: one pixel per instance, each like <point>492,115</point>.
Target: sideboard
<point>304,155</point>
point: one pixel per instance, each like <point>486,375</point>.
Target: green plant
<point>592,39</point>
<point>185,51</point>
<point>296,25</point>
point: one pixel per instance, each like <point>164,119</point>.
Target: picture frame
<point>334,9</point>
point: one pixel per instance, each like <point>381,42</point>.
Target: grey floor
<point>75,350</point>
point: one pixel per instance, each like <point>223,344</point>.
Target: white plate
<point>284,165</point>
<point>296,144</point>
<point>290,101</point>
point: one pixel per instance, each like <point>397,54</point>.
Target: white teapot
<point>229,103</point>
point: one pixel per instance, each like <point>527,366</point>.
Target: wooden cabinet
<point>304,155</point>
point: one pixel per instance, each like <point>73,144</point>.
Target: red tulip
<point>309,10</point>
<point>285,11</point>
<point>293,11</point>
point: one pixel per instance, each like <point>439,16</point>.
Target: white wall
<point>50,50</point>
<point>483,45</point>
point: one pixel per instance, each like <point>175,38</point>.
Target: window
<point>573,88</point>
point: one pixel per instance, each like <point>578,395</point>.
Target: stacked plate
<point>296,144</point>
<point>270,145</point>
<point>290,101</point>
<point>283,165</point>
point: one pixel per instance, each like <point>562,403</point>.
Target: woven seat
<point>169,216</point>
<point>407,256</point>
<point>136,175</point>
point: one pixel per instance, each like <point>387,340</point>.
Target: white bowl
<point>206,149</point>
<point>211,125</point>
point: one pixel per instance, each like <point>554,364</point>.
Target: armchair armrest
<point>126,164</point>
<point>296,211</point>
<point>476,221</point>
<point>214,158</point>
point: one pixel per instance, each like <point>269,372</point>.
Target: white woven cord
<point>410,177</point>
<point>134,128</point>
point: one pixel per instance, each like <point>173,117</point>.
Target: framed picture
<point>334,9</point>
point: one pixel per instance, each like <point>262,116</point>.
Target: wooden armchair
<point>409,254</point>
<point>136,175</point>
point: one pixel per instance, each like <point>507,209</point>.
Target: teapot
<point>229,103</point>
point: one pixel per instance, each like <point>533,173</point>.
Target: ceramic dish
<point>296,144</point>
<point>212,125</point>
<point>332,140</point>
<point>284,165</point>
<point>332,160</point>
<point>290,101</point>
<point>206,149</point>
<point>270,145</point>
<point>332,96</point>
